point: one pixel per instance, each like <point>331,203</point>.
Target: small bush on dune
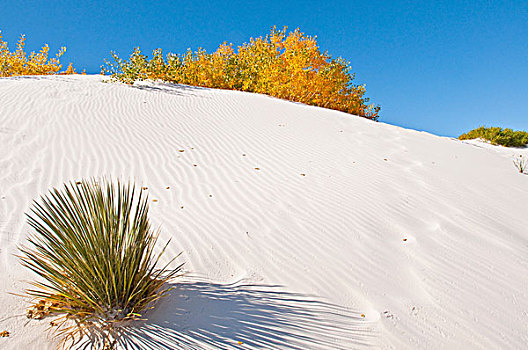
<point>498,136</point>
<point>290,67</point>
<point>19,63</point>
<point>93,248</point>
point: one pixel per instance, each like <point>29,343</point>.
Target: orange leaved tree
<point>288,66</point>
<point>18,62</point>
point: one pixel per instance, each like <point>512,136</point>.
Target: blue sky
<point>439,66</point>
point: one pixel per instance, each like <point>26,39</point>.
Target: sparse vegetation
<point>288,66</point>
<point>521,164</point>
<point>93,249</point>
<point>498,136</point>
<point>18,62</point>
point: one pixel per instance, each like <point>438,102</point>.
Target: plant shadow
<point>168,88</point>
<point>55,77</point>
<point>203,315</point>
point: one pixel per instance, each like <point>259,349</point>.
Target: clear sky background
<point>439,66</point>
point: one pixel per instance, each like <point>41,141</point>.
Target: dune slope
<point>300,227</point>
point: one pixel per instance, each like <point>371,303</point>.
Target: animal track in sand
<point>414,311</point>
<point>388,314</point>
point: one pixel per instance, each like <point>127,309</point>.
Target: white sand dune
<point>294,221</point>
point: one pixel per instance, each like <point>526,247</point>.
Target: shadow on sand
<point>168,88</point>
<point>203,315</point>
<point>53,77</point>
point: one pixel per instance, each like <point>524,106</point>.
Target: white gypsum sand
<point>300,227</point>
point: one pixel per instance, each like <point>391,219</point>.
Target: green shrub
<point>498,136</point>
<point>93,248</point>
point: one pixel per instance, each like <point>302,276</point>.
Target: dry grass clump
<point>93,249</point>
<point>18,62</point>
<point>288,66</point>
<point>521,164</point>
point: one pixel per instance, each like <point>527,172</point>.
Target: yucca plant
<point>93,248</point>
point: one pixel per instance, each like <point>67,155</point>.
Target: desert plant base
<point>72,328</point>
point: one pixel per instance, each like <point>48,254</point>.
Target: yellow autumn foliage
<point>18,62</point>
<point>288,66</point>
